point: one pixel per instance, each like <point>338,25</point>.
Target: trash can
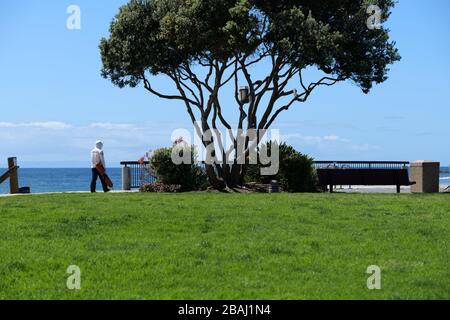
<point>24,190</point>
<point>426,176</point>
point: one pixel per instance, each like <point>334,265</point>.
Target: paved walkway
<point>344,189</point>
<point>69,192</point>
<point>377,189</point>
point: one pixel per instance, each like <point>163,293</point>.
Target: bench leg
<point>398,189</point>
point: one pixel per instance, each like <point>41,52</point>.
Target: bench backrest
<point>369,177</point>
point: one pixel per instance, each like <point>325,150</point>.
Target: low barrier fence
<point>135,173</point>
<point>361,164</point>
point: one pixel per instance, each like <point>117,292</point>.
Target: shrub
<point>296,172</point>
<point>160,188</point>
<point>187,176</point>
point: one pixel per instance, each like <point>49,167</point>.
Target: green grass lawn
<point>225,246</point>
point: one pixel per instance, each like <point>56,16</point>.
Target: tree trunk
<point>226,176</point>
<point>223,175</point>
<point>215,182</point>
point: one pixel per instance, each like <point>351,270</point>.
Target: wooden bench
<point>333,173</point>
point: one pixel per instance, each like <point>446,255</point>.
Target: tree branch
<point>148,86</point>
<point>326,81</point>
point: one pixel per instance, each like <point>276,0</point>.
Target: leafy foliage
<point>296,173</point>
<point>160,35</point>
<point>187,176</point>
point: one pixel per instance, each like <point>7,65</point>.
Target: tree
<point>205,46</point>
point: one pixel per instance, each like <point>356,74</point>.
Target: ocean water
<point>60,180</point>
<point>66,180</point>
<point>445,176</point>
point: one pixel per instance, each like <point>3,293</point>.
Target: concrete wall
<point>426,176</point>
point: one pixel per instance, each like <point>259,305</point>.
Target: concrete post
<point>426,176</point>
<point>126,178</point>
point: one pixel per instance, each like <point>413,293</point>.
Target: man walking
<point>98,160</point>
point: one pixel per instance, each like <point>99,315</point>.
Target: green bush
<point>188,176</point>
<point>296,172</point>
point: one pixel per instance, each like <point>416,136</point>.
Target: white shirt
<point>97,157</point>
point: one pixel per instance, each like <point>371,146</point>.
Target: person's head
<point>99,144</point>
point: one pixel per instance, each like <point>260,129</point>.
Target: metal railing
<point>361,165</point>
<point>140,173</point>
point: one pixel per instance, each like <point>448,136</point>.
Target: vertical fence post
<point>13,177</point>
<point>126,178</point>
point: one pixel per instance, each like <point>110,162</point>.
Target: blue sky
<point>54,103</point>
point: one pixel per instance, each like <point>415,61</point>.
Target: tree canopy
<point>159,35</point>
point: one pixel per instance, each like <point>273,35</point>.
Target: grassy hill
<point>222,246</point>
